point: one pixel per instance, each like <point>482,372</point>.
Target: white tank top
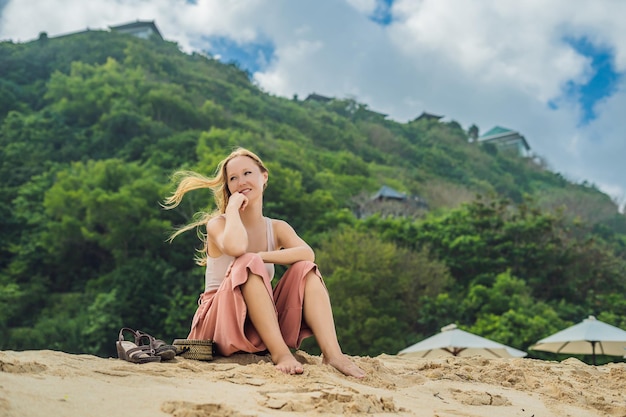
<point>216,267</point>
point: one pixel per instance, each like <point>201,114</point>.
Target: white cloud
<point>486,62</point>
<point>366,7</point>
<point>281,79</point>
<point>492,43</point>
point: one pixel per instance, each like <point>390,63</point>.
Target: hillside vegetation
<point>93,125</point>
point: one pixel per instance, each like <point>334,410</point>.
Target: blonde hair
<point>190,180</point>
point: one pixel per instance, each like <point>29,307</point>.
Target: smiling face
<point>245,176</point>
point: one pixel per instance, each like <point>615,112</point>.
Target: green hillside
<point>92,126</point>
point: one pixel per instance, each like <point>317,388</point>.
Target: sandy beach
<point>50,383</point>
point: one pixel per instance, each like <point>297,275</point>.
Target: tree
<point>92,124</point>
<point>376,289</point>
<point>473,133</point>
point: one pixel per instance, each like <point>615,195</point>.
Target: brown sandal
<point>162,349</point>
<point>130,352</point>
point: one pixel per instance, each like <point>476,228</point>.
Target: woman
<point>239,310</point>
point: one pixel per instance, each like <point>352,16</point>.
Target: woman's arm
<point>228,232</point>
<point>291,247</point>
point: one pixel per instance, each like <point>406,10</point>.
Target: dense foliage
<point>92,125</point>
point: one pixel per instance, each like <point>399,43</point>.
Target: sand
<point>49,383</point>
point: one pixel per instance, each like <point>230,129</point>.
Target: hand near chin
<point>238,200</point>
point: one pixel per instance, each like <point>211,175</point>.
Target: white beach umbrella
<point>456,342</point>
<point>589,337</point>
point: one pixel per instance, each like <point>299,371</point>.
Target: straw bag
<point>202,350</point>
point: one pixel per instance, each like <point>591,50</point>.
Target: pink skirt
<point>222,314</point>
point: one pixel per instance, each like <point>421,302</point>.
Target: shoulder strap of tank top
<point>270,235</point>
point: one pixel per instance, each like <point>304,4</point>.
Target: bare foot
<point>288,364</point>
<point>344,365</point>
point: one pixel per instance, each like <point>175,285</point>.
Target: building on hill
<point>506,140</point>
<point>140,29</point>
<point>427,116</point>
<point>388,193</point>
<point>374,114</point>
<point>389,202</point>
<point>318,97</point>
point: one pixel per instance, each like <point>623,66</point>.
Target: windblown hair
<point>189,180</point>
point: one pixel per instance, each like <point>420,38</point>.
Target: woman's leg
<point>318,315</point>
<point>262,314</point>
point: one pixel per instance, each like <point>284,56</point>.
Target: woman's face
<point>243,175</point>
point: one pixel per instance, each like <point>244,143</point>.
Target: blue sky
<point>382,12</point>
<point>553,70</point>
<point>252,56</point>
<point>603,79</point>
